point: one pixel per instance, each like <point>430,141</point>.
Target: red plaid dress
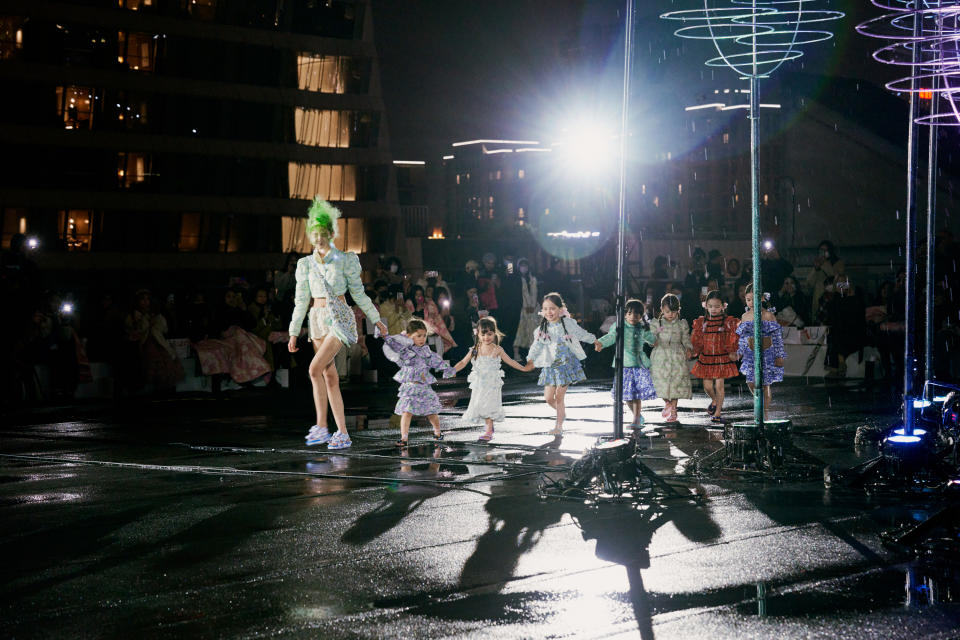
<point>714,339</point>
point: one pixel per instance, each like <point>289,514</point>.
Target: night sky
<point>459,69</point>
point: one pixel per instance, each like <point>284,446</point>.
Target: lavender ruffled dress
<point>768,329</point>
<point>415,396</point>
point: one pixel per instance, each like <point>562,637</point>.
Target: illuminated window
<point>352,235</point>
<point>75,106</point>
<point>656,201</point>
<point>201,9</point>
<point>134,5</point>
<point>458,178</point>
<point>680,189</point>
<point>498,174</point>
<point>766,199</point>
<point>328,181</point>
<point>75,229</point>
<point>191,225</point>
<point>327,74</point>
<point>11,36</point>
<point>521,214</point>
<point>726,138</point>
<point>520,174</point>
<point>490,214</point>
<point>14,221</point>
<point>133,169</point>
<point>322,128</point>
<point>131,111</point>
<point>643,189</point>
<point>490,200</point>
<point>137,50</point>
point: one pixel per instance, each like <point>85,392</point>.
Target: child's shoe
<point>318,435</point>
<point>339,441</point>
<point>673,415</point>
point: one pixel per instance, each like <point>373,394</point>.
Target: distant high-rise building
<point>196,129</point>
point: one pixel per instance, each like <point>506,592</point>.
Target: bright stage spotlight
<point>586,148</point>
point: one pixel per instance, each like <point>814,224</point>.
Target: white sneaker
<point>339,441</point>
<point>320,436</point>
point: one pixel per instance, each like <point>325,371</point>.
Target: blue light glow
<point>904,439</point>
<point>922,404</point>
<point>916,432</point>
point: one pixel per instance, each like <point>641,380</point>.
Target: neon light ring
<point>931,56</point>
<point>770,30</point>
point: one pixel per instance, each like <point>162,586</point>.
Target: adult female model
<point>322,279</point>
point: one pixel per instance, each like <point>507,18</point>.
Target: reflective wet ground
<point>202,517</point>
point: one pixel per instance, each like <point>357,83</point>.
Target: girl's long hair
<point>486,324</point>
<point>764,302</point>
<point>670,301</point>
<point>524,276</point>
<point>556,299</point>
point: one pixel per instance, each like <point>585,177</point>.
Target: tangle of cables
<point>923,38</point>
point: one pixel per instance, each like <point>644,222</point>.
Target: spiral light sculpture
<point>754,38</point>
<point>924,40</point>
<point>922,37</point>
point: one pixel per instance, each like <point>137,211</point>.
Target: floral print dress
<point>668,360</point>
<point>416,396</point>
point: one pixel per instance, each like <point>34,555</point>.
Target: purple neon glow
<point>931,61</point>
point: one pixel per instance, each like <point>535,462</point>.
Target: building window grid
<point>323,73</point>
<point>328,181</point>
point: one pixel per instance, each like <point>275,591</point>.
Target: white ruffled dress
<point>486,385</point>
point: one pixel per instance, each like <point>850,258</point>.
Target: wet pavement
<point>201,517</point>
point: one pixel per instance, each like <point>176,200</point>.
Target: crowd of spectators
<point>238,331</point>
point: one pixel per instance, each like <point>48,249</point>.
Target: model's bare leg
<point>323,359</point>
<point>319,386</point>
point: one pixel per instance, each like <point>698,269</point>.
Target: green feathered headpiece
<point>322,216</point>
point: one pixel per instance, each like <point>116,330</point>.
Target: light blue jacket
<point>341,271</point>
<point>543,351</point>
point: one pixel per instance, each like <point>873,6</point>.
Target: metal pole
<point>755,234</point>
<point>910,306</point>
<point>622,228</point>
<point>931,230</point>
<point>755,249</point>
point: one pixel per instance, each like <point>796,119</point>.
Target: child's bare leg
<point>635,408</point>
<point>561,408</point>
<point>405,419</point>
<point>489,422</point>
<point>434,421</point>
<point>719,394</point>
<point>709,389</point>
<point>549,396</point>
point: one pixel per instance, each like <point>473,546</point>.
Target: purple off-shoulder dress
<point>415,396</point>
<point>768,329</point>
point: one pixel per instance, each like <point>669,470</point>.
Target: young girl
<point>556,350</point>
<point>637,384</point>
<point>714,340</point>
<point>415,358</point>
<point>773,351</point>
<point>486,378</point>
<point>668,360</point>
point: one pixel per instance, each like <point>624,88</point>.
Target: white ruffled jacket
<point>341,271</point>
<point>543,351</point>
